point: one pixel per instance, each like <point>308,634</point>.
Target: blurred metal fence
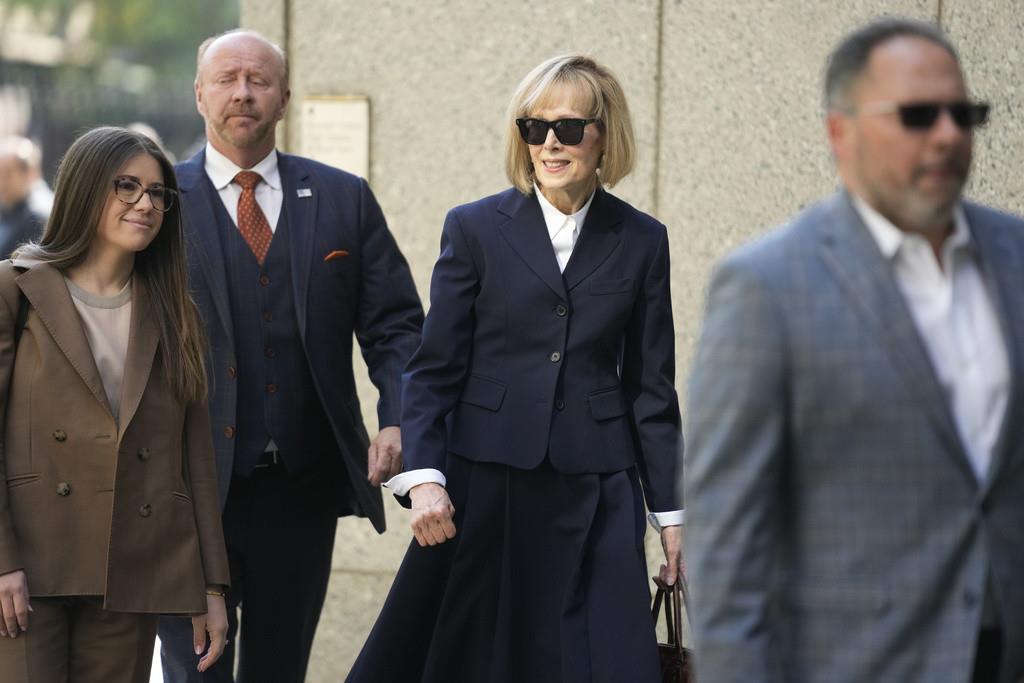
<point>62,103</point>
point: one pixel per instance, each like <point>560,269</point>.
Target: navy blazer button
<point>143,454</point>
<point>145,510</point>
<point>555,357</point>
<point>970,599</point>
<point>232,373</point>
<point>63,489</point>
<point>264,280</point>
<point>560,404</point>
<point>271,388</point>
<point>229,432</point>
<point>561,311</point>
<point>60,435</point>
<point>269,317</point>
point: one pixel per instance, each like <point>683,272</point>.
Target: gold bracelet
<point>217,593</point>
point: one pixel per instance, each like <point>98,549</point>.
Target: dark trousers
<point>988,656</point>
<point>279,531</point>
<point>74,638</point>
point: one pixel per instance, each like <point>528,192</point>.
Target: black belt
<point>269,459</point>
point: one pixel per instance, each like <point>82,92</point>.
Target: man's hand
<point>14,604</point>
<point>672,544</point>
<point>214,623</point>
<point>385,455</point>
<point>432,514</point>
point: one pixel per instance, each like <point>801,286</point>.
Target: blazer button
<point>970,599</point>
<point>60,435</point>
<point>145,510</point>
<point>555,357</point>
<point>264,280</point>
<point>560,404</point>
<point>229,432</point>
<point>561,311</point>
<point>271,388</point>
<point>63,489</point>
<point>144,454</point>
<point>232,373</point>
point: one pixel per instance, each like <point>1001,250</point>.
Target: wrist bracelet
<point>216,593</point>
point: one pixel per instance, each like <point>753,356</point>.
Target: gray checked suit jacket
<point>836,531</point>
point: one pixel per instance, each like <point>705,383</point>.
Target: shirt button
<point>555,357</point>
<point>144,454</point>
<point>229,432</point>
<point>561,310</point>
<point>269,352</point>
<point>232,372</point>
<point>264,280</point>
<point>271,388</point>
<point>560,404</point>
<point>60,435</point>
<point>63,489</point>
<point>145,510</point>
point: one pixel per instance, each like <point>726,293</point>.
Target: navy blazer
<point>368,291</point>
<point>519,361</point>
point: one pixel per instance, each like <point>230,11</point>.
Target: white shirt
<point>269,195</point>
<point>956,318</point>
<point>564,231</point>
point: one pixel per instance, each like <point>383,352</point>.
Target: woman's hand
<point>432,514</point>
<point>14,603</point>
<point>672,544</point>
<point>214,623</point>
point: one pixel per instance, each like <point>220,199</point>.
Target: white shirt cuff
<point>401,483</point>
<point>658,520</point>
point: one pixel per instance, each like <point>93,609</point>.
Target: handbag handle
<point>679,597</point>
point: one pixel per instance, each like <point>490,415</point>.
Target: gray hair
<point>849,59</point>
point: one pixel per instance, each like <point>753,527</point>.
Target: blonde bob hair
<point>600,96</point>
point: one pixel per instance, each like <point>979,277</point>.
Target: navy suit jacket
<point>519,361</point>
<point>369,292</point>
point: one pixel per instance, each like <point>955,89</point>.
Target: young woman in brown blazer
<point>108,501</point>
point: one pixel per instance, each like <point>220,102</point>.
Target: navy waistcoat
<point>277,398</point>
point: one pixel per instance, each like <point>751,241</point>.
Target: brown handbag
<point>676,660</point>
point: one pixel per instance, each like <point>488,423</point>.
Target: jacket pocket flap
<point>483,392</point>
<point>607,403</point>
<point>611,286</point>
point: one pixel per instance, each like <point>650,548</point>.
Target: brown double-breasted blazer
<point>89,507</point>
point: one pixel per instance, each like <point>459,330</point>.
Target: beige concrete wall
<point>725,97</point>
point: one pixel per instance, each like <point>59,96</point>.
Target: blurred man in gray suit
<point>855,464</point>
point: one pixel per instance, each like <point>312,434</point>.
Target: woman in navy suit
<point>538,414</point>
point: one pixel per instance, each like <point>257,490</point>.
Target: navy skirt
<point>545,581</point>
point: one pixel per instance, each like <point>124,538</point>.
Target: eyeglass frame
<point>549,126</point>
<point>169,193</point>
<point>900,108</point>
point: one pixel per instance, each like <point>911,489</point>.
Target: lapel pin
<point>304,192</point>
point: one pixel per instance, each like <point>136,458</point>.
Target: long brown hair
<point>84,182</point>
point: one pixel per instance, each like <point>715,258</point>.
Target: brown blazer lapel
<point>44,287</point>
<point>138,362</point>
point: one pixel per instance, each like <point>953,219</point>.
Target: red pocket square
<point>337,253</point>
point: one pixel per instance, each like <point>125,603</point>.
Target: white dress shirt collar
<point>222,170</point>
<point>890,238</point>
<point>555,219</point>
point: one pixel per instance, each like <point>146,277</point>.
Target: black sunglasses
<point>129,190</point>
<point>923,115</point>
<point>568,131</point>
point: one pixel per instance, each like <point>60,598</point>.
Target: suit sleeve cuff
<point>401,483</point>
<point>659,520</point>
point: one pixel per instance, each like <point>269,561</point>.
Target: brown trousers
<point>75,640</point>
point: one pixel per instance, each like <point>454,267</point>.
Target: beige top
<point>106,321</point>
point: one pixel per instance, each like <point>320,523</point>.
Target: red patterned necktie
<point>251,221</point>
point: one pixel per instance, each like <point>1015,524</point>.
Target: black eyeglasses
<point>568,131</point>
<point>921,116</point>
<point>129,190</point>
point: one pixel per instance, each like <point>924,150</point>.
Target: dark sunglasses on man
<point>921,116</point>
<point>129,190</point>
<point>568,131</point>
